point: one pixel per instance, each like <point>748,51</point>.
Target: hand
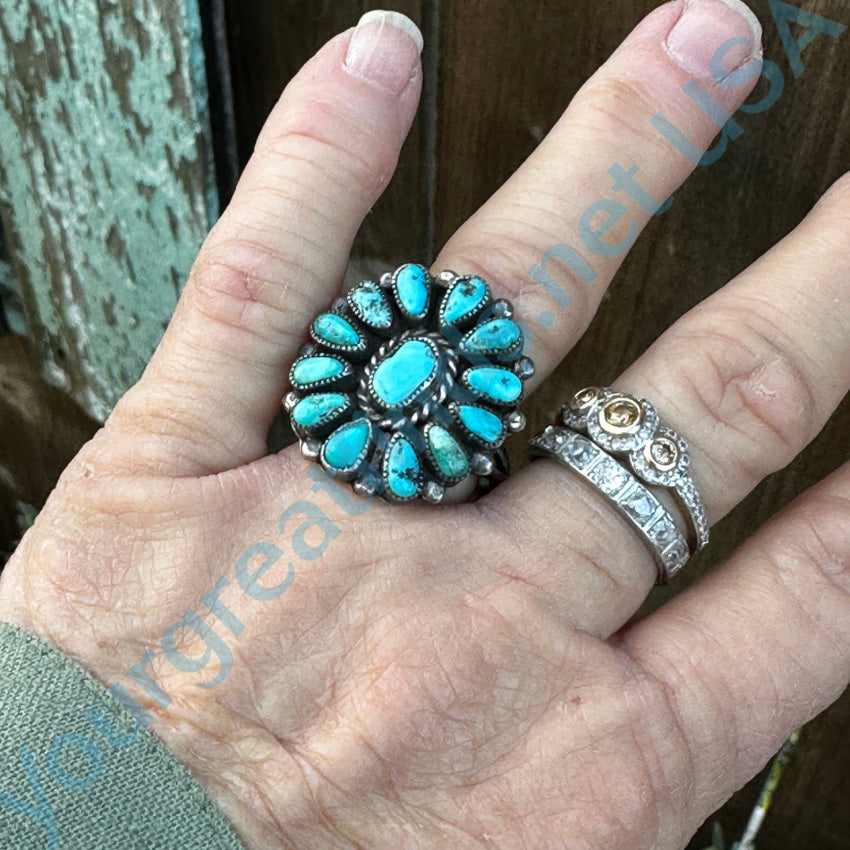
<point>464,676</point>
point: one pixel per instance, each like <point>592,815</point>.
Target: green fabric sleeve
<point>78,772</point>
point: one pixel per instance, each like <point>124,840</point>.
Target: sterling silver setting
<point>411,384</point>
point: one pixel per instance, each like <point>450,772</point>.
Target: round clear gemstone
<point>584,398</point>
<point>609,476</point>
<point>640,505</point>
<point>551,439</point>
<point>663,532</point>
<point>621,415</point>
<point>580,452</point>
<point>663,453</point>
<point>675,554</point>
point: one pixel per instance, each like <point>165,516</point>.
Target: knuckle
<point>613,104</point>
<point>527,563</point>
<point>674,749</point>
<point>756,401</point>
<point>248,288</point>
<point>151,411</point>
<point>505,253</point>
<point>444,691</point>
<point>337,144</point>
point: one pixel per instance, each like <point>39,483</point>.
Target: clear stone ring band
<point>635,501</point>
<point>617,442</point>
<point>410,384</point>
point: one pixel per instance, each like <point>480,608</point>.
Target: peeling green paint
<point>10,294</point>
<point>106,178</point>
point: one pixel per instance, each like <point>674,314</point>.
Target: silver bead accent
<point>363,488</point>
<point>503,309</point>
<point>515,421</point>
<point>433,492</point>
<point>311,448</point>
<point>481,464</point>
<point>524,368</point>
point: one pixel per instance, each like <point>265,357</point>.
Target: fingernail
<point>704,26</point>
<point>384,49</point>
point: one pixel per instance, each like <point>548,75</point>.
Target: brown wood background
<point>498,74</point>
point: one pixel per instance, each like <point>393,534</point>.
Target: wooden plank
<point>106,178</point>
<point>768,180</point>
<point>41,429</point>
<point>507,71</point>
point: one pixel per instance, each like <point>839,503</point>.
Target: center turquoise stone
<point>397,379</point>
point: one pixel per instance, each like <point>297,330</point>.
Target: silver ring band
<point>625,491</point>
<point>629,428</point>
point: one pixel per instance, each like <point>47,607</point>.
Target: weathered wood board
<point>106,178</point>
<point>270,41</point>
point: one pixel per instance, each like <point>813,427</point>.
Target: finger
<point>606,164</point>
<point>751,375</point>
<point>761,646</point>
<point>748,377</point>
<point>278,253</point>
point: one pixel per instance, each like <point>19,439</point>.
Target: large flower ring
<point>410,385</point>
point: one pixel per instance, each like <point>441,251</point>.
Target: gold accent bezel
<point>594,394</point>
<point>612,428</point>
<point>654,462</point>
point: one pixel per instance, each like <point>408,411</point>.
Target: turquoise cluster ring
<point>410,384</point>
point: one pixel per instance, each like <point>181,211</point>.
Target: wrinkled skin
<point>464,676</point>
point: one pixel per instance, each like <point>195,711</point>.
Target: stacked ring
<point>618,443</point>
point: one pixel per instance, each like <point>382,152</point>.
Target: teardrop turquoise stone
<point>344,447</point>
<point>464,298</point>
<point>447,453</point>
<point>402,469</point>
<point>494,337</point>
<point>397,379</point>
<point>371,305</point>
<point>311,370</point>
<point>498,385</point>
<point>411,287</point>
<point>335,330</point>
<point>485,425</point>
<point>318,409</point>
